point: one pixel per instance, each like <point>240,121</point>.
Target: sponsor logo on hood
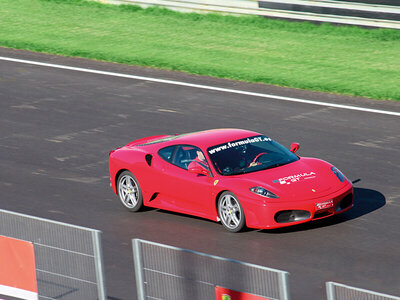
<point>295,178</point>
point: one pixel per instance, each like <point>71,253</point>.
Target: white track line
<point>199,86</point>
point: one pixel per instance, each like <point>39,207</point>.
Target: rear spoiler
<point>147,140</point>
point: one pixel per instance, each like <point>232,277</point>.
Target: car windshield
<point>249,155</point>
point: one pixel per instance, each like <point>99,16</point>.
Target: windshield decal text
<point>247,141</point>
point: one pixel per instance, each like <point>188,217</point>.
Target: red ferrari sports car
<point>239,177</point>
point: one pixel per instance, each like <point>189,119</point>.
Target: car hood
<point>306,178</point>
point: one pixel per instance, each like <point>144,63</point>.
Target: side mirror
<point>199,169</point>
<point>294,147</point>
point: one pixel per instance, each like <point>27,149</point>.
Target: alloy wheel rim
<point>128,191</point>
<point>230,211</point>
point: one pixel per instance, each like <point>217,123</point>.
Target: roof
<point>208,138</point>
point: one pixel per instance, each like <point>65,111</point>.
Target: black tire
<point>230,212</point>
<point>129,191</point>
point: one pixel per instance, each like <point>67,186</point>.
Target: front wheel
<point>129,191</point>
<point>231,212</point>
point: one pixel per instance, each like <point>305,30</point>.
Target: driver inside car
<point>200,160</point>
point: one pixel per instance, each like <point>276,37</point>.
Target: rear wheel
<point>231,212</point>
<point>129,191</point>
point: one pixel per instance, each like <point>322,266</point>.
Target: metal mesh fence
<point>337,291</point>
<point>165,272</point>
<point>68,258</point>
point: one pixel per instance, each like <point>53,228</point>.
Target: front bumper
<point>281,214</point>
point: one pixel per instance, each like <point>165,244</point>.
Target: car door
<point>188,192</point>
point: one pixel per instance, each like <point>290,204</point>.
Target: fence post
<point>137,258</point>
<point>98,256</point>
<point>284,285</point>
<point>330,291</point>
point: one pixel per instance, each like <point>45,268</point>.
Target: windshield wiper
<point>245,171</point>
<point>276,165</point>
<point>239,172</point>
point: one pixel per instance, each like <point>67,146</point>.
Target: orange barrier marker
<point>227,294</point>
<point>17,269</point>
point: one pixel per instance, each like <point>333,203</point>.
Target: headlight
<point>338,174</point>
<point>263,192</point>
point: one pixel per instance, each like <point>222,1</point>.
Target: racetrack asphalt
<point>57,127</point>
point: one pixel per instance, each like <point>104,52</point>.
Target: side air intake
<point>149,158</point>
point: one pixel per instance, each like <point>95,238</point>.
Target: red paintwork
<point>182,191</point>
<point>220,292</point>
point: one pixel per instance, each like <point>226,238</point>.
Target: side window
<point>186,154</point>
<point>166,153</point>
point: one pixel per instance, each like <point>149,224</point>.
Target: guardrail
<point>171,273</point>
<point>69,263</point>
<point>69,266</point>
<point>369,13</point>
<point>337,291</point>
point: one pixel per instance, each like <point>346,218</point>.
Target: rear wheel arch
<point>129,193</point>
<point>117,176</point>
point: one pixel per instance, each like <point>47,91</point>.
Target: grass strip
<point>337,59</point>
